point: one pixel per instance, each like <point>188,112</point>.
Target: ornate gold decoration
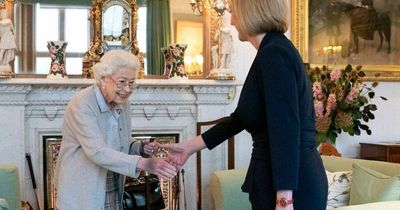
<point>6,74</point>
<point>87,68</point>
<point>52,148</point>
<point>220,6</point>
<point>4,3</point>
<point>52,151</point>
<point>97,47</point>
<point>211,22</point>
<point>299,37</point>
<point>168,187</point>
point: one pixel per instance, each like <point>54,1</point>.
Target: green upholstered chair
<point>225,187</point>
<point>9,187</point>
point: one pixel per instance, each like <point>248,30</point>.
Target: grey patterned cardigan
<point>85,156</point>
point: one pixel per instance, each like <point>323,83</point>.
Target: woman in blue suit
<point>276,108</point>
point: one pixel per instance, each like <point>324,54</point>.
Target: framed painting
<point>357,32</point>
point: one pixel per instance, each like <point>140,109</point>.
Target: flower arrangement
<point>342,101</point>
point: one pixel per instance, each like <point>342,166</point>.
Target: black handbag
<point>143,193</point>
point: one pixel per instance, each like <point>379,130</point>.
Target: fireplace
<point>36,108</point>
<point>51,147</point>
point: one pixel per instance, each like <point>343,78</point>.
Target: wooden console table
<point>382,151</point>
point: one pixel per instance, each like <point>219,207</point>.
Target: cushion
<point>339,188</point>
<point>384,205</point>
<point>371,186</point>
<point>3,204</point>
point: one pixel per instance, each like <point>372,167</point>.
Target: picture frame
<point>311,38</point>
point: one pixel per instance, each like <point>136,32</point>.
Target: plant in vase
<point>342,101</point>
<point>57,55</point>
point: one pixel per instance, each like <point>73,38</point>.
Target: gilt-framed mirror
<point>33,28</point>
<point>113,26</point>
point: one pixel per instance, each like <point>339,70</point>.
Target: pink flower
<point>181,69</point>
<point>330,104</point>
<point>317,89</point>
<point>335,74</point>
<point>319,108</point>
<point>54,67</point>
<point>353,94</point>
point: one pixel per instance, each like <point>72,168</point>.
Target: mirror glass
<point>116,26</point>
<point>33,30</point>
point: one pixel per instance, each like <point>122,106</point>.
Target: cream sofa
<point>227,195</point>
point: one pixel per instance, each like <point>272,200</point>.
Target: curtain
<point>27,41</point>
<point>158,34</point>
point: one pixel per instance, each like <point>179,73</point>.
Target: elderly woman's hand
<point>148,148</point>
<point>157,166</point>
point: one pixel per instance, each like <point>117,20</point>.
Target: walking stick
<point>148,193</point>
<point>28,158</point>
<point>147,185</point>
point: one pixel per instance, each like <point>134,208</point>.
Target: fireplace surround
<point>32,110</point>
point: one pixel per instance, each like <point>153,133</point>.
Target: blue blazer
<point>276,108</point>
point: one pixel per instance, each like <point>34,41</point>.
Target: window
<point>53,23</point>
<point>141,33</point>
<point>67,24</point>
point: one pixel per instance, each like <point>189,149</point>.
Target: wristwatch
<point>283,202</point>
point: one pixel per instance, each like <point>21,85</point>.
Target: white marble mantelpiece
<point>31,109</point>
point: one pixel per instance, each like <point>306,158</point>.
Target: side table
<point>382,151</point>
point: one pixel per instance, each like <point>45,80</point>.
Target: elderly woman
<point>93,158</point>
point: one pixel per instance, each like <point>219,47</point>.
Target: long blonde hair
<point>261,16</point>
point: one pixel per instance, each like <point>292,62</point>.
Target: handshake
<point>167,167</point>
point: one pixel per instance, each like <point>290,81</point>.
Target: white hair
<point>113,61</point>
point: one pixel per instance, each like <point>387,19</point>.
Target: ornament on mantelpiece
<point>7,44</point>
<point>87,66</point>
<point>174,67</point>
<point>57,55</point>
<point>221,53</point>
